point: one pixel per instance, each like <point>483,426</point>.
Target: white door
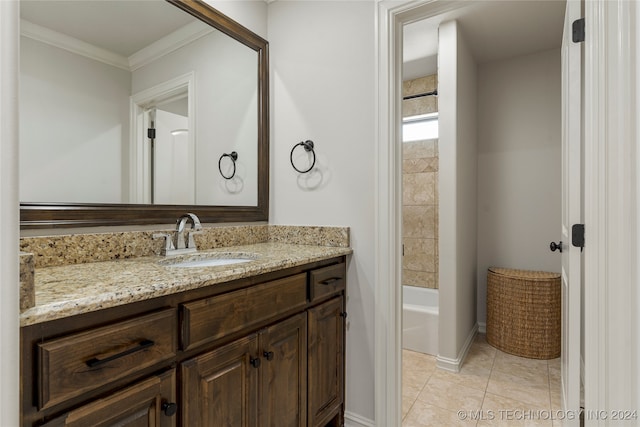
<point>174,174</point>
<point>571,212</point>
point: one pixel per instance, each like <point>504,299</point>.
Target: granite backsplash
<point>50,251</point>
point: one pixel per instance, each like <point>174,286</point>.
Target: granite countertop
<point>69,290</point>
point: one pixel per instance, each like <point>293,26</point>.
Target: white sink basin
<point>212,262</point>
<point>207,260</point>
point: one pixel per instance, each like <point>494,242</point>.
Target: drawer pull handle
<point>92,363</point>
<point>268,355</point>
<point>330,281</point>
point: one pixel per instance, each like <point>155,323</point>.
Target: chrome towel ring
<point>233,156</point>
<point>308,147</point>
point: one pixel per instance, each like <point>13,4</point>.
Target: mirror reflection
<point>134,102</point>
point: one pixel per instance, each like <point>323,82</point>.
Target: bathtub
<point>420,319</point>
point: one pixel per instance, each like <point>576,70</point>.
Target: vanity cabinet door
<point>149,403</point>
<point>326,363</point>
<point>283,373</point>
<point>220,388</point>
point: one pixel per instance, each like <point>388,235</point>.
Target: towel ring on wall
<point>308,146</point>
<point>233,156</point>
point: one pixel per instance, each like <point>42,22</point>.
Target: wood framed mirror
<point>136,208</point>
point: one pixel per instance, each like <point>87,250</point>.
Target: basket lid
<point>524,274</point>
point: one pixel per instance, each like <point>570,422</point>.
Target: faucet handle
<point>168,242</point>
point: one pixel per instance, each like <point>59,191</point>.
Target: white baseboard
<point>454,365</point>
<point>482,327</point>
<point>581,381</point>
<point>355,420</point>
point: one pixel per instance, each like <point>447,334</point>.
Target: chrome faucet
<point>196,228</point>
<point>177,244</point>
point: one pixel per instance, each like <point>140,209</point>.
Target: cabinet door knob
<point>169,408</point>
<point>255,361</point>
<point>268,355</point>
<point>344,314</point>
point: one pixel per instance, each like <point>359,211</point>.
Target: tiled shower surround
<point>420,193</point>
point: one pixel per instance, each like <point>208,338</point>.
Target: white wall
<point>458,194</point>
<point>323,89</point>
<point>226,113</point>
<point>74,117</point>
<point>635,19</point>
<point>9,214</point>
<point>466,194</point>
<point>519,163</point>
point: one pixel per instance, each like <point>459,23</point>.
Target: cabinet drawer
<point>75,364</point>
<point>212,318</point>
<point>150,402</point>
<point>327,281</point>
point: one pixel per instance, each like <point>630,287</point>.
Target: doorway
<point>420,212</point>
<point>171,156</point>
<point>390,162</point>
<point>162,160</point>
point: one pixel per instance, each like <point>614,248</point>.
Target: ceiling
<point>493,29</point>
<point>138,23</point>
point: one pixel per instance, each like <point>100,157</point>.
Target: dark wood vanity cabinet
<point>262,351</point>
<point>258,380</point>
<point>284,373</point>
<point>149,403</point>
<point>220,388</point>
<point>78,363</point>
<point>326,361</point>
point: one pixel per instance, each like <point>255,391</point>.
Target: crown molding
<point>71,44</point>
<point>171,42</point>
<point>144,56</point>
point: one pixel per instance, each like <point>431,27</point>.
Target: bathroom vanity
<point>140,342</point>
<point>116,334</point>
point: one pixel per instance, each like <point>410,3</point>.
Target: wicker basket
<point>523,312</point>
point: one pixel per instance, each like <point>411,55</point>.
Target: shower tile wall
<point>420,193</point>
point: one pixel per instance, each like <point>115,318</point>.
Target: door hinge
<point>578,30</point>
<point>151,133</point>
<point>577,236</point>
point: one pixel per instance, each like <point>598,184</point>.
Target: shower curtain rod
<point>420,95</point>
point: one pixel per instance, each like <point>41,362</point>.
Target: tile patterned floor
<point>492,389</point>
